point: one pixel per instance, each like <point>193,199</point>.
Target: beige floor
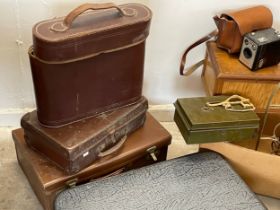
<point>16,194</point>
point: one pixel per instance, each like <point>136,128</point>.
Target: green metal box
<point>199,123</point>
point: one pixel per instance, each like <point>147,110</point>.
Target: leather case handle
<point>69,19</point>
<point>114,148</point>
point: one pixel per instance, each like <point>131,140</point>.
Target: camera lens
<point>247,53</point>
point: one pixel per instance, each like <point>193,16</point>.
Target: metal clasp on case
<point>72,182</point>
<point>152,151</point>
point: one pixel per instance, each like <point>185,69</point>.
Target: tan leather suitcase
<point>46,179</point>
<point>224,74</point>
<point>85,64</point>
<point>77,145</point>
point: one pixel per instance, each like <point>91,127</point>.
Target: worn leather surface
<point>46,179</point>
<point>73,91</point>
<point>200,181</point>
<point>94,66</point>
<point>91,33</point>
<point>234,25</point>
<point>75,146</point>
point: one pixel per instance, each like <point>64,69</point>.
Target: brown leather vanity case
<point>145,146</point>
<point>77,145</point>
<point>88,62</point>
<point>223,74</point>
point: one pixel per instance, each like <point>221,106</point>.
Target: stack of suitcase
<point>91,119</point>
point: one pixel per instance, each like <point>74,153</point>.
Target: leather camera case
<point>86,64</point>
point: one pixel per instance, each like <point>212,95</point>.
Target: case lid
<point>82,34</point>
<point>196,115</point>
<point>136,145</point>
<point>228,66</point>
<point>251,19</point>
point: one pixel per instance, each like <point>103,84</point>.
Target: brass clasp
<point>152,151</point>
<point>72,182</point>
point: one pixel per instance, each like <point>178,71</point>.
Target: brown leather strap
<point>114,148</point>
<point>69,19</point>
<point>192,68</point>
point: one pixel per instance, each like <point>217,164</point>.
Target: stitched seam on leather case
<point>83,57</point>
<point>101,38</point>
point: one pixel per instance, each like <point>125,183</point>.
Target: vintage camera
<point>260,49</point>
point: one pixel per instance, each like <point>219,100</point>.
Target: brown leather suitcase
<point>223,74</point>
<point>85,64</point>
<point>47,179</point>
<point>75,146</point>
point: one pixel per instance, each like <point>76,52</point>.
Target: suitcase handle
<point>114,148</point>
<point>69,19</point>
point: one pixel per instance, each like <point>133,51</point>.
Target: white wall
<point>175,25</point>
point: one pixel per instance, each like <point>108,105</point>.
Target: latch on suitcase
<point>72,182</point>
<point>152,150</point>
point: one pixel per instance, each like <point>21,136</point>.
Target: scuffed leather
<point>91,33</point>
<point>46,179</point>
<point>200,181</point>
<point>66,145</point>
<point>94,66</point>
